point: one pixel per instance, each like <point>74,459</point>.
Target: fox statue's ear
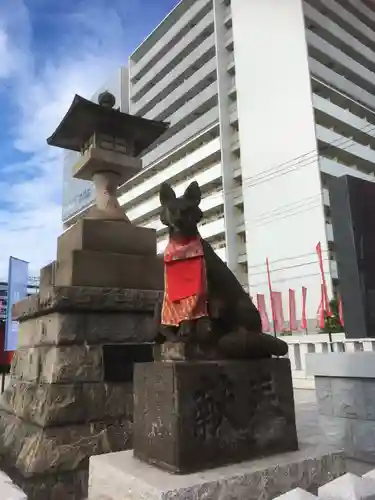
<point>166,193</point>
<point>193,193</point>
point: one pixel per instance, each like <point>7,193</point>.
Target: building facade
<point>265,101</point>
<point>3,300</point>
<point>33,287</point>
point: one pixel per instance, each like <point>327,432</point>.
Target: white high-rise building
<point>266,100</point>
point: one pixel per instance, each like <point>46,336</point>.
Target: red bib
<point>184,278</point>
<point>185,282</point>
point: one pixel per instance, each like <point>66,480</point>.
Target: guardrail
<point>300,345</point>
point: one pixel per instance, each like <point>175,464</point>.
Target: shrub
<point>332,323</point>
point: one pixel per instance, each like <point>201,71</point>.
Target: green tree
<point>332,324</point>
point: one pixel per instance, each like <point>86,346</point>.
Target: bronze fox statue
<point>231,323</point>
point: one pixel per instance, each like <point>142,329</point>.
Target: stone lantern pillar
<point>71,390</point>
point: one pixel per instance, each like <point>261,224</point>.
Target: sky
<point>50,51</point>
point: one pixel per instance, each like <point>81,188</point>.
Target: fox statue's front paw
<point>186,330</point>
<point>243,344</point>
<point>169,333</point>
<point>204,333</point>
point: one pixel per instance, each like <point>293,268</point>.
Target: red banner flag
<point>320,312</point>
<point>271,294</point>
<point>261,302</point>
<point>326,306</point>
<point>341,315</point>
<point>292,311</point>
<point>279,313</point>
<point>304,319</point>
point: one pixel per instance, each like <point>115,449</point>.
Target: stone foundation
<point>195,415</point>
<point>345,391</point>
<point>119,475</point>
<point>71,389</point>
<point>71,393</point>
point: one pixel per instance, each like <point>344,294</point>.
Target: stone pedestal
<point>71,390</point>
<point>204,421</point>
<point>107,253</point>
<point>345,393</point>
<point>119,476</point>
<point>194,415</point>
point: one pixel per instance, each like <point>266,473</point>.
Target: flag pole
<point>304,319</point>
<point>325,302</point>
<point>293,326</point>
<point>3,354</point>
<point>271,297</point>
<point>341,314</point>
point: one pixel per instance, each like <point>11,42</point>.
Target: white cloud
<point>6,62</point>
<point>41,91</point>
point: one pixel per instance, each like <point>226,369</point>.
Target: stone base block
<point>194,415</point>
<point>62,486</point>
<point>86,299</point>
<point>345,392</point>
<point>32,450</point>
<point>86,328</point>
<point>48,405</point>
<point>88,268</point>
<point>47,276</point>
<point>97,159</point>
<point>119,476</point>
<point>107,236</point>
<point>51,364</point>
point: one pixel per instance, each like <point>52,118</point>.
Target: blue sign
<point>77,193</point>
<point>18,276</point>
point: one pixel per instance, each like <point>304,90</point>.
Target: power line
<point>309,157</point>
<point>294,266</point>
<point>293,257</point>
<point>287,216</point>
<point>289,210</point>
<point>284,210</point>
<point>291,205</point>
<point>297,166</point>
<point>283,280</point>
<point>313,153</point>
<point>285,170</point>
<point>304,160</point>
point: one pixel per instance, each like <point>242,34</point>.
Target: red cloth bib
<point>184,278</point>
<point>185,295</point>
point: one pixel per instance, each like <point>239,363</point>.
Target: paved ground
<point>309,431</point>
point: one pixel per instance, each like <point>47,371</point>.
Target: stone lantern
<point>71,390</point>
<point>109,143</point>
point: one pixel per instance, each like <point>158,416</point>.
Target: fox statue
<point>203,301</point>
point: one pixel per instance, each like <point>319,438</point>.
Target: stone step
<point>116,476</point>
<point>194,415</point>
<point>98,269</point>
<point>297,494</point>
<point>107,236</point>
<point>348,486</point>
<point>89,328</point>
<point>86,299</point>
